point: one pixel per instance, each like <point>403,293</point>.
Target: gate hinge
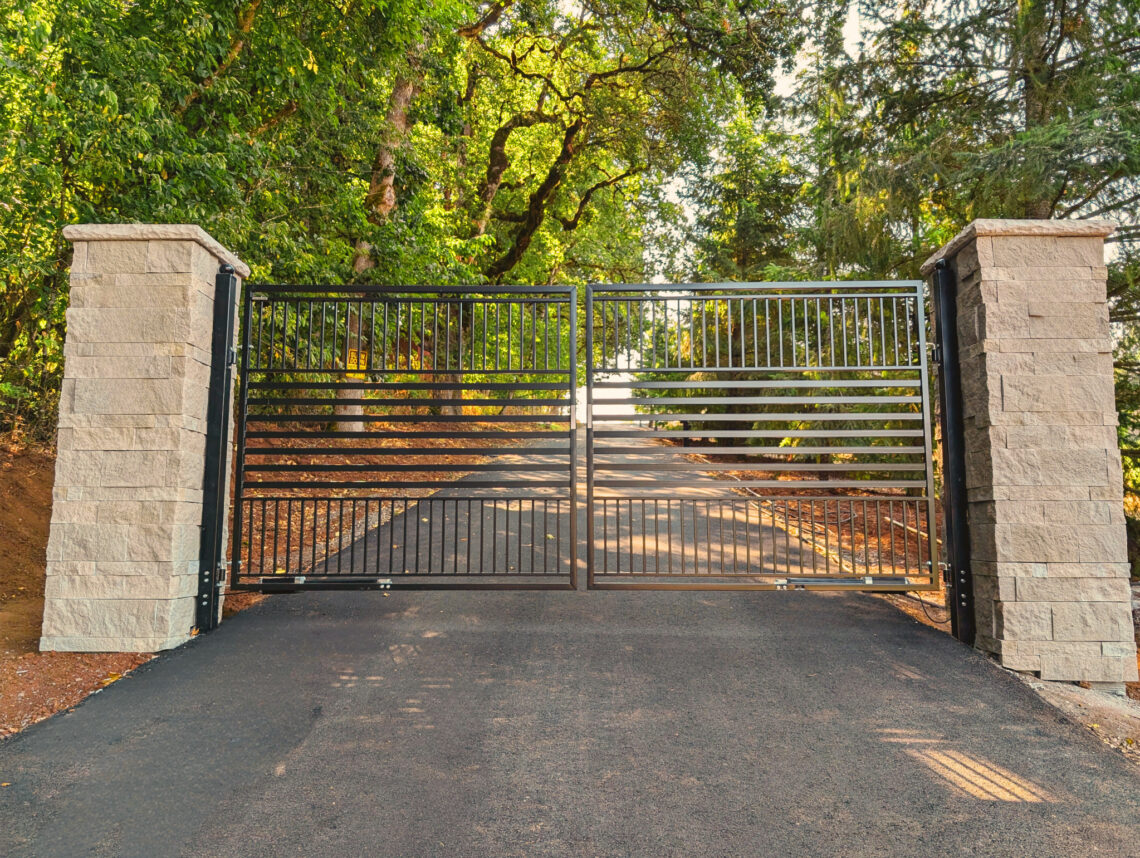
<point>936,354</point>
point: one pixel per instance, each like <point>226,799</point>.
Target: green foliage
<point>396,141</point>
<point>943,113</point>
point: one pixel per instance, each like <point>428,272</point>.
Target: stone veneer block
<point>126,519</point>
<point>1043,473</point>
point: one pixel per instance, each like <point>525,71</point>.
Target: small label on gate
<point>356,360</point>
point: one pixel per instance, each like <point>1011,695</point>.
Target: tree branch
<point>471,31</point>
<point>570,224</point>
<point>536,208</point>
<point>280,116</point>
<point>497,161</point>
<point>237,43</point>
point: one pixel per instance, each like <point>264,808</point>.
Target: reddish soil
<point>34,685</point>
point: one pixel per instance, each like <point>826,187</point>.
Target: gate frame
<point>566,581</point>
<point>791,583</point>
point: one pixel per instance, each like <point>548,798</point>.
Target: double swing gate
<point>747,436</point>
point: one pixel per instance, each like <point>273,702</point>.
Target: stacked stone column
<point>122,559</point>
<point>1043,469</point>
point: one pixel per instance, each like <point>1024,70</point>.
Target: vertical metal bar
<point>716,331</point>
<point>748,536</point>
<point>954,507</point>
<point>795,335</point>
<point>843,317</point>
<point>391,534</point>
<point>882,330</point>
<point>818,332</point>
<point>652,332</point>
<point>831,331</point>
<point>743,359</point>
<point>494,515</point>
<point>572,435</point>
<point>827,539</point>
<point>732,508</point>
<point>404,546</point>
<point>214,501</point>
<point>643,552</point>
<point>431,543</point>
<point>264,527</point>
<point>352,568</point>
<point>591,536</point>
<point>720,517</point>
<point>681,518</point>
<point>780,327</point>
<point>756,334</point>
<point>814,553</point>
<point>692,331</point>
<point>242,411</point>
<point>895,327</point>
<point>704,334</point>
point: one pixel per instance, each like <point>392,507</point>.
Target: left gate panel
<point>392,437</point>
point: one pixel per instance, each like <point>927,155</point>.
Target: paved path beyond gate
<point>531,723</point>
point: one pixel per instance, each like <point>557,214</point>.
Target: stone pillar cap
<point>154,232</point>
<point>1003,226</point>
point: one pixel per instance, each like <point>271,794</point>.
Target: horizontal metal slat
<point>884,450</point>
<point>761,417</point>
<point>834,484</point>
<point>695,467</point>
<point>357,467</point>
<point>362,384</point>
<point>875,287</point>
<point>606,370</point>
<point>757,433</point>
<point>496,434</point>
<point>854,399</point>
<point>788,383</point>
<point>408,418</point>
<point>417,403</point>
<point>409,484</point>
<point>292,370</point>
<point>405,451</point>
<point>429,293</point>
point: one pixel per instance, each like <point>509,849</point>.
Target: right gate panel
<point>759,436</point>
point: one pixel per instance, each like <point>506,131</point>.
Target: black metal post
<point>210,574</point>
<point>954,507</point>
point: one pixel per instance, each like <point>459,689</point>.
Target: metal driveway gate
<point>392,437</point>
<point>764,435</point>
<point>738,436</point>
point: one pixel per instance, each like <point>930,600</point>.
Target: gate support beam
<point>955,514</point>
<point>1043,476</point>
<point>126,528</point>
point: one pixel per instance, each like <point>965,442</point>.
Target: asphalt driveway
<point>567,723</point>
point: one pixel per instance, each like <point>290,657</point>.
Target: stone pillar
<point>1043,472</point>
<point>122,559</point>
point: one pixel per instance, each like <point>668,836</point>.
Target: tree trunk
<point>380,201</point>
<point>344,412</point>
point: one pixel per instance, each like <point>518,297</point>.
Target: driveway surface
<point>566,723</point>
